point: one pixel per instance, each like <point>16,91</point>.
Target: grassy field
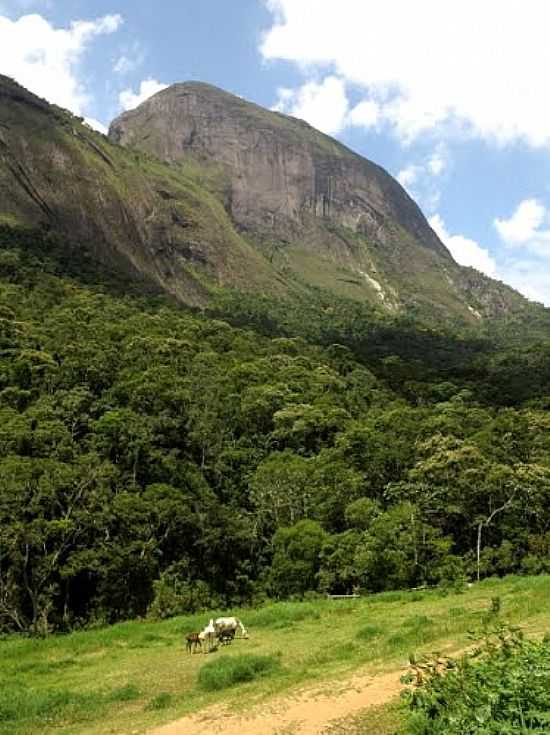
<point>129,677</point>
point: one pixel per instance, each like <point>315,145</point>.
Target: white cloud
<point>459,66</point>
<point>409,175</point>
<point>45,59</point>
<point>131,57</point>
<point>527,231</point>
<point>129,99</point>
<point>366,114</point>
<point>438,161</point>
<point>523,227</point>
<point>423,180</point>
<point>123,65</point>
<point>324,105</point>
<point>523,232</point>
<point>529,276</point>
<point>464,250</point>
<point>96,125</point>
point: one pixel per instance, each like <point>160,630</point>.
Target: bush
<point>230,670</point>
<point>451,574</point>
<point>124,694</point>
<point>507,690</point>
<point>18,704</point>
<point>418,621</point>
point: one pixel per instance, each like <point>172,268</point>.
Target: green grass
<point>283,615</point>
<point>129,677</point>
<point>228,671</point>
<point>160,701</point>
<point>385,720</point>
<point>368,632</point>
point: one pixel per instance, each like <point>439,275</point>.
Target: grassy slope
<point>130,676</point>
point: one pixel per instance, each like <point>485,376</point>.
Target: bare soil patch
<point>309,712</point>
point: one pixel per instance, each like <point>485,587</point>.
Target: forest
<point>156,460</point>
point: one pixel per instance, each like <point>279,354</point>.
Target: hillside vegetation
<point>502,686</point>
<point>155,461</point>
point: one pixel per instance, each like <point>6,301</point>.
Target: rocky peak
<point>247,199</point>
<point>284,177</point>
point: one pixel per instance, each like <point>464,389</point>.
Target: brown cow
<point>192,642</point>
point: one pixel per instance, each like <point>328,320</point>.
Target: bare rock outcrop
<point>282,175</point>
<point>198,190</point>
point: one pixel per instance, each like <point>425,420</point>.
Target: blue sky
<point>449,96</point>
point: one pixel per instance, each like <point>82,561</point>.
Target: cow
<point>192,642</point>
<point>225,637</point>
<point>207,637</point>
<point>226,624</point>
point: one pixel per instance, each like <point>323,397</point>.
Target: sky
<point>450,96</point>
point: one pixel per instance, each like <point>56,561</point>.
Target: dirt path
<point>307,713</point>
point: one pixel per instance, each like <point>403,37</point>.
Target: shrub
<point>493,611</point>
<point>230,670</point>
<point>457,612</point>
<point>451,574</point>
<point>391,596</point>
<point>173,596</point>
<point>19,704</point>
<point>124,694</point>
<point>418,621</point>
<point>506,690</point>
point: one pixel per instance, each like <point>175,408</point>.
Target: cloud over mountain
<point>468,68</point>
<point>45,58</point>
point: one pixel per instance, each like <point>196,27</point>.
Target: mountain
<point>314,207</point>
<point>198,190</point>
<point>129,212</point>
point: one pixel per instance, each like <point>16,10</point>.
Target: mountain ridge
<point>304,184</point>
<point>231,111</point>
<point>194,224</point>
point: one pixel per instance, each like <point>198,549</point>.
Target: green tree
<point>296,558</point>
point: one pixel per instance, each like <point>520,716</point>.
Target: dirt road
<point>307,713</point>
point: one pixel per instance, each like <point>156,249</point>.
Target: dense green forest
<point>155,460</point>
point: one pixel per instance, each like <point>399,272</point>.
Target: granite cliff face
<point>198,190</point>
<point>283,174</point>
<point>314,208</point>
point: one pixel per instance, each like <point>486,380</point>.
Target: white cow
<point>207,637</point>
<point>223,625</point>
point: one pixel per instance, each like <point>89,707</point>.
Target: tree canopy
<point>155,459</point>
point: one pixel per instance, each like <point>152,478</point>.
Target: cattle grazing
<point>226,624</point>
<point>225,637</point>
<point>208,637</point>
<point>192,642</point>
